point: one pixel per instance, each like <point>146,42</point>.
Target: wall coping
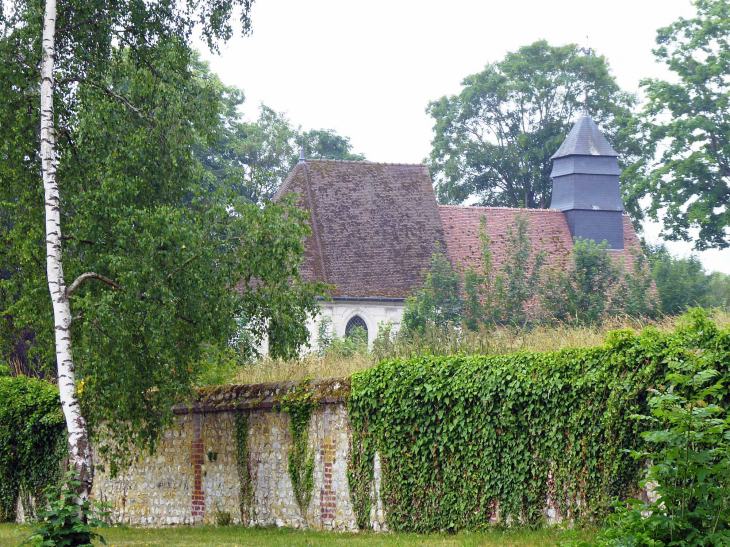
<point>267,395</point>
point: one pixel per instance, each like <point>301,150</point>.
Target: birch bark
<point>78,437</point>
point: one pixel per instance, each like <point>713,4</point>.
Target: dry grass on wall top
<point>500,341</point>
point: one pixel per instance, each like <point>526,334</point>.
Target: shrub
<point>690,450</point>
<point>32,441</point>
<point>66,521</point>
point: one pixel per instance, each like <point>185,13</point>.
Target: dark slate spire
<point>585,139</point>
<point>586,185</point>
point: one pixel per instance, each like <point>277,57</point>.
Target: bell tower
<point>586,185</point>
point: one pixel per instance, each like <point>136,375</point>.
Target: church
<point>374,226</point>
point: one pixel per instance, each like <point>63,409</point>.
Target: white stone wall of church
<point>340,312</point>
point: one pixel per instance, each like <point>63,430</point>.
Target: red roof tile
<point>548,232</point>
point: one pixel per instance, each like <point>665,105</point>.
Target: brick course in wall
<point>192,478</point>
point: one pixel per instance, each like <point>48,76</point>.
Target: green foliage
<point>462,436</point>
<point>325,334</point>
<point>255,157</point>
<point>689,445</point>
<point>354,342</point>
<point>518,281</point>
<point>222,518</point>
<point>360,469</point>
<point>299,405</point>
<point>143,212</point>
<point>522,291</point>
<point>243,467</point>
<point>167,241</point>
<point>439,301</point>
<point>584,291</point>
<point>719,290</point>
<point>493,141</point>
<point>681,282</point>
<point>65,521</point>
<point>685,120</point>
<point>32,441</point>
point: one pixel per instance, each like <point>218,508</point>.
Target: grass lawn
<point>236,536</point>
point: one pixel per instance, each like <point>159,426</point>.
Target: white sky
<point>368,69</point>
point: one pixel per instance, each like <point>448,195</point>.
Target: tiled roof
<point>549,232</point>
<point>374,225</point>
<point>585,139</point>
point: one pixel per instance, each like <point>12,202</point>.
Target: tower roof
<point>585,139</point>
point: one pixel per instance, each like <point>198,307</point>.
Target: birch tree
<point>79,449</point>
<point>141,253</point>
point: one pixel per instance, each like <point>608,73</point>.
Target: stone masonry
<point>192,478</point>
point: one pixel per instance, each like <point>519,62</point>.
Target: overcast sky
<point>369,68</point>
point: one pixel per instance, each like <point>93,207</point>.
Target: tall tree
<point>153,257</point>
<point>326,144</point>
<point>688,122</point>
<point>493,141</point>
<point>255,157</point>
<point>681,282</point>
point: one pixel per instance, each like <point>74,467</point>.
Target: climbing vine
<point>243,467</point>
<point>466,438</point>
<point>32,441</point>
<point>299,405</point>
<point>360,469</point>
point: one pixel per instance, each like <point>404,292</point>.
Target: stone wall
<point>193,476</point>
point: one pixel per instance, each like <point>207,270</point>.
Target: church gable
<point>374,225</point>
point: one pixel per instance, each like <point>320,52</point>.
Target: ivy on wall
<point>463,437</point>
<point>32,440</point>
<point>243,468</point>
<point>299,405</point>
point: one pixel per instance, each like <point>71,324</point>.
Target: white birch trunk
<point>78,437</point>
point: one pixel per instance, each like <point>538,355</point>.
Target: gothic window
<point>356,322</point>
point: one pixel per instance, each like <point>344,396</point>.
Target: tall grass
<point>447,341</point>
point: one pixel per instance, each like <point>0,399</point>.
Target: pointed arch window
<point>356,325</point>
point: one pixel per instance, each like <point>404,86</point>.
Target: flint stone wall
<point>192,478</point>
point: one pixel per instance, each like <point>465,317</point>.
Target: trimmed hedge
<point>460,437</point>
<point>32,440</point>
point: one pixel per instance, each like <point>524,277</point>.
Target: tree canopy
<point>493,141</point>
<point>254,157</point>
<point>687,127</point>
<point>164,260</point>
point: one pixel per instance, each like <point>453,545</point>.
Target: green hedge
<point>32,440</point>
<point>460,436</point>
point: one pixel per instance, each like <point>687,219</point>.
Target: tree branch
<point>92,275</point>
<point>108,91</point>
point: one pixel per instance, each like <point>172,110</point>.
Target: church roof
<point>374,228</point>
<point>585,139</point>
<point>374,225</point>
<point>462,225</point>
<point>549,232</point>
